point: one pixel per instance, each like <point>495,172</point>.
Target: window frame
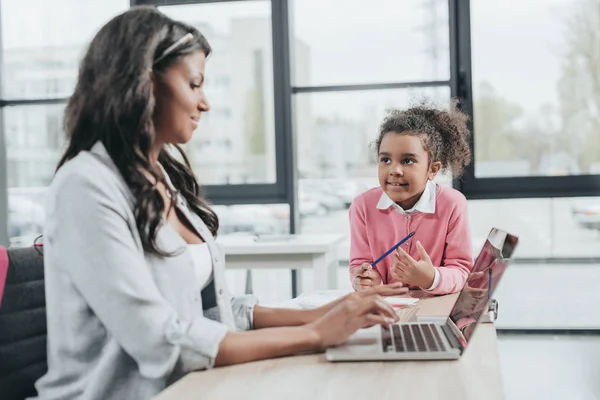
<point>502,187</point>
<point>284,190</point>
<point>263,193</point>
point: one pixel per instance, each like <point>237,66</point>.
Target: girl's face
<point>404,168</point>
<point>180,99</point>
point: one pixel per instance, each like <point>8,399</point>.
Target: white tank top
<point>202,262</point>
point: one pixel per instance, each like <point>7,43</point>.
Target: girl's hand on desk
<point>365,277</point>
<point>354,311</point>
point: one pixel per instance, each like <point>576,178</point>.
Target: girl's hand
<point>411,272</point>
<point>365,277</point>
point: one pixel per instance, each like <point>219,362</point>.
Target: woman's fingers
<point>375,319</point>
<point>374,304</point>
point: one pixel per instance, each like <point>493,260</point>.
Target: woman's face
<point>180,99</point>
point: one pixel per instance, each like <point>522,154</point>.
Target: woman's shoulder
<point>88,176</point>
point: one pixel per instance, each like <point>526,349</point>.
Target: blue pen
<point>387,253</point>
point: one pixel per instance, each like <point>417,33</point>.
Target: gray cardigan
<point>123,324</point>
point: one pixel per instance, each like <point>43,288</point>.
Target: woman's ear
<point>434,168</point>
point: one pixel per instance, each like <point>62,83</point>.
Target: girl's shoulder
<point>368,197</point>
<point>449,198</point>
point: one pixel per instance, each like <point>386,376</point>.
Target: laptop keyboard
<point>411,338</point>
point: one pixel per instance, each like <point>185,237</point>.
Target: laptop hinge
<point>451,336</point>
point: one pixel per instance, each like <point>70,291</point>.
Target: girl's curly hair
<point>443,132</point>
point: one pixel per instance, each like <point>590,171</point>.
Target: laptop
<point>437,338</point>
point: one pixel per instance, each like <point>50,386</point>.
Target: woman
<point>135,284</point>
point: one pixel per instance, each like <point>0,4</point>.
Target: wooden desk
<point>475,375</point>
<point>318,252</point>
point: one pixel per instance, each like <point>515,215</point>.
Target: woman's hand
<point>354,311</point>
<point>365,277</point>
<point>394,289</point>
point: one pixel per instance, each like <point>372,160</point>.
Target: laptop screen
<point>482,281</point>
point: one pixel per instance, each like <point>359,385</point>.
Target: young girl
<point>413,146</point>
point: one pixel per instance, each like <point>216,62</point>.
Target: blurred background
<point>298,88</point>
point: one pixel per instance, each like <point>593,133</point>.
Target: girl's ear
<point>434,168</point>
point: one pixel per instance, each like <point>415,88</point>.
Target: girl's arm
<point>458,260</point>
<point>359,244</point>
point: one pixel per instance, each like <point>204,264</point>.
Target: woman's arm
<point>268,317</point>
<point>341,319</point>
<point>240,347</point>
<point>88,237</point>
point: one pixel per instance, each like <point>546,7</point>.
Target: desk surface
<point>281,244</point>
<point>475,375</point>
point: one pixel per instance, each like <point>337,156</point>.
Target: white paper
<point>318,299</point>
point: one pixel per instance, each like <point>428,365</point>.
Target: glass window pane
<point>352,42</point>
<point>270,285</point>
<point>536,107</point>
<point>254,219</point>
<point>34,143</point>
<point>336,161</point>
<point>553,281</point>
<point>41,49</point>
<point>235,142</point>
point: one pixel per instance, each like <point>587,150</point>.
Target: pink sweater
<point>444,235</point>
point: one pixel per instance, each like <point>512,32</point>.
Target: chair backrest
<point>22,324</point>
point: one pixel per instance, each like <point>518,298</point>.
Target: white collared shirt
<point>425,204</point>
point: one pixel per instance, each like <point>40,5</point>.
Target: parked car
<point>346,190</point>
<point>242,219</point>
<point>319,190</point>
<point>588,216</point>
<point>308,206</point>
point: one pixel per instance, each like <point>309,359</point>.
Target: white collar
<point>425,204</point>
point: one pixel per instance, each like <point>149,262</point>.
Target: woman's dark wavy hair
<point>113,103</point>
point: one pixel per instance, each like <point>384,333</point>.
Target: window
<point>239,87</point>
<point>257,219</point>
<point>32,160</point>
<point>535,107</point>
<point>388,54</point>
<point>39,64</point>
<point>336,160</point>
<point>382,41</point>
<point>38,54</point>
<point>553,281</point>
